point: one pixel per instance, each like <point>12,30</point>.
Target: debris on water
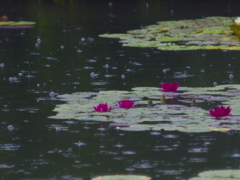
<point>123,76</point>
<point>62,46</point>
<point>215,84</point>
<point>1,65</point>
<point>10,127</point>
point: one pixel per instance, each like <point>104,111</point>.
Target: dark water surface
<point>58,55</point>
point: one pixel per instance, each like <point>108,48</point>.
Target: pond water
<point>59,55</point>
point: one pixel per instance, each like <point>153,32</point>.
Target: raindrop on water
<point>39,40</point>
<point>10,127</point>
<point>106,66</point>
<point>79,143</point>
<point>147,5</point>
<point>165,70</point>
<point>13,79</point>
<point>52,94</point>
<point>83,39</point>
<point>92,74</point>
<point>231,76</point>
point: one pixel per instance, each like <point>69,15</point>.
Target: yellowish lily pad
<point>122,177</point>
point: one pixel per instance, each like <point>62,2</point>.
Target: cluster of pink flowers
<point>218,111</point>
<point>122,104</point>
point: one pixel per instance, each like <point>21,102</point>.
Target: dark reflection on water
<point>63,54</point>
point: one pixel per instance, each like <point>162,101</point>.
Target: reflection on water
<point>63,54</point>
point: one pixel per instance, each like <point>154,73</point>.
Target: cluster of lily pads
<point>206,33</point>
<point>168,108</point>
<point>166,87</point>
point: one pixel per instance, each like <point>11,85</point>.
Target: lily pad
<point>122,177</point>
<point>16,24</point>
<point>177,114</point>
<point>228,174</point>
<point>207,33</point>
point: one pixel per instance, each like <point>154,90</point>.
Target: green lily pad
<point>122,177</point>
<point>176,115</point>
<point>207,33</point>
<point>228,174</point>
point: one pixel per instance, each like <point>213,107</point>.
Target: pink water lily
<point>220,111</point>
<point>169,86</point>
<point>102,108</point>
<point>126,104</point>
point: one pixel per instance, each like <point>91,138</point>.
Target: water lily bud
<point>150,103</point>
<point>193,103</point>
<point>163,100</point>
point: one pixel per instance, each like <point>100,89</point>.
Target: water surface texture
<point>63,54</point>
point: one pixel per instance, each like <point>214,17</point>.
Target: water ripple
<point>198,150</point>
<point>9,147</point>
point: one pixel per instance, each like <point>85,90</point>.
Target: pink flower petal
<point>169,87</point>
<point>220,111</point>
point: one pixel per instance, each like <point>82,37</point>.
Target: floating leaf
<point>122,177</point>
<point>228,174</point>
<point>208,33</point>
<point>16,24</point>
<point>176,115</point>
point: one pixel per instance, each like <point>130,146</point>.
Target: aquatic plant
<point>122,177</point>
<point>102,108</point>
<point>206,33</point>
<point>16,24</point>
<point>220,111</point>
<point>169,87</point>
<point>126,104</point>
<point>237,21</point>
<point>177,115</point>
<point>221,174</point>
